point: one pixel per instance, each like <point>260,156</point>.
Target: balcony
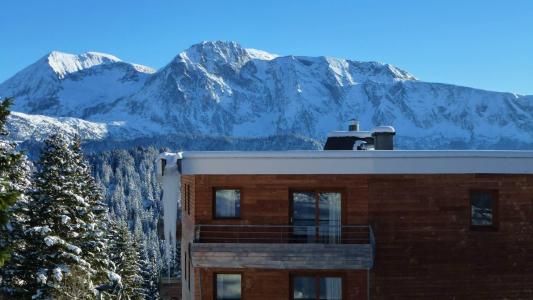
<point>284,247</point>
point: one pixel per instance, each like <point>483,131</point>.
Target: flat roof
<point>355,162</point>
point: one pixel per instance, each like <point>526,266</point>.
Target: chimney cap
<point>384,129</point>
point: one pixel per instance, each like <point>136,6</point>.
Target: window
<point>227,204</point>
<point>163,166</point>
<point>316,288</point>
<point>304,287</point>
<point>316,216</point>
<point>189,266</point>
<point>184,194</point>
<point>483,209</point>
<point>228,286</point>
<point>185,266</point>
<point>187,191</point>
<point>187,198</point>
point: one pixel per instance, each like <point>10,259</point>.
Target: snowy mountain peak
<point>65,63</point>
<point>63,84</point>
<point>215,53</point>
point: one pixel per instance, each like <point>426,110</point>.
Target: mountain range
<point>221,89</point>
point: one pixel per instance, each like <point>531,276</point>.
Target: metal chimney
<point>353,125</point>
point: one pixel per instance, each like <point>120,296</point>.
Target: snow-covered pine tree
<point>149,273</point>
<point>14,185</point>
<point>14,172</point>
<point>123,252</point>
<point>153,288</point>
<point>60,220</point>
<point>93,242</point>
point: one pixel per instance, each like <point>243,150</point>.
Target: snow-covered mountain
<point>61,84</point>
<point>222,89</point>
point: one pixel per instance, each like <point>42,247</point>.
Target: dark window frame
<point>495,213</point>
<point>214,203</point>
<point>227,273</point>
<point>317,277</point>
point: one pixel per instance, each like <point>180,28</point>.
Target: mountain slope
<point>222,89</point>
<point>61,84</point>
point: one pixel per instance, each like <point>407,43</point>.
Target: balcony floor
<point>283,256</point>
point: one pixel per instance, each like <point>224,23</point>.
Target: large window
<point>316,288</point>
<point>316,216</point>
<point>228,286</point>
<point>227,203</point>
<point>483,209</point>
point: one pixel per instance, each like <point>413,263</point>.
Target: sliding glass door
<point>316,217</point>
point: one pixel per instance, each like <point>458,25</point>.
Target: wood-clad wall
<point>262,284</point>
<point>425,248</point>
<point>265,198</point>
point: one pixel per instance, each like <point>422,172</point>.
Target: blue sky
<point>484,44</point>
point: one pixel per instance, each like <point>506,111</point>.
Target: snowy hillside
<point>223,89</point>
<point>24,127</point>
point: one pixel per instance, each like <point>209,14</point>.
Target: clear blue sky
<point>479,43</point>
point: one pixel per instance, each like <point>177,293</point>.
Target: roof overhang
<point>355,162</point>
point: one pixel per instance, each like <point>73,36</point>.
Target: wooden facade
<point>425,245</point>
<point>265,284</point>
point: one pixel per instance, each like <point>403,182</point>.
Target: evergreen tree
<point>124,254</point>
<point>60,220</point>
<point>148,272</point>
<point>94,242</point>
<point>62,244</point>
<point>14,185</point>
<point>14,170</point>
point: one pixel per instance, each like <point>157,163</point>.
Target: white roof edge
<point>357,154</point>
<point>356,162</point>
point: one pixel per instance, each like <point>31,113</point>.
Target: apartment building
<point>357,220</point>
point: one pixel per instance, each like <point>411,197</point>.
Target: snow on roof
<point>387,129</point>
<point>359,134</point>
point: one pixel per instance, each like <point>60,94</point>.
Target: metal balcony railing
<point>323,234</point>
